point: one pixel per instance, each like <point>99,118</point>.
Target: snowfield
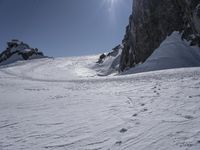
<point>61,104</point>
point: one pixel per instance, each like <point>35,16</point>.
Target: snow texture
<point>62,104</point>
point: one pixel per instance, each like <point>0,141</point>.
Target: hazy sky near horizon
<point>65,27</point>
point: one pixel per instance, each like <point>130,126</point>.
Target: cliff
<point>152,21</point>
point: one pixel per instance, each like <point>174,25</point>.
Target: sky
<point>65,27</point>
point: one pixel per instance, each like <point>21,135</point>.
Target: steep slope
<point>18,50</point>
<point>152,21</point>
<point>109,63</point>
<point>172,53</point>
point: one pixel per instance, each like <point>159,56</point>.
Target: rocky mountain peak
<point>18,50</point>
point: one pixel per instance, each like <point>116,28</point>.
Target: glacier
<point>63,104</point>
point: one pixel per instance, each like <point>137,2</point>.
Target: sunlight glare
<point>110,4</point>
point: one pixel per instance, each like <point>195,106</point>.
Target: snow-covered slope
<point>151,21</point>
<point>70,68</point>
<point>172,53</point>
<point>109,63</point>
<point>60,104</point>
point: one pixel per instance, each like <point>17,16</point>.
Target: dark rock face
<point>102,57</point>
<point>152,21</point>
<point>19,49</point>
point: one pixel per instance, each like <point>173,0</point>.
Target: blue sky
<point>65,27</point>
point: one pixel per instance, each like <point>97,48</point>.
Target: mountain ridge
<point>17,50</point>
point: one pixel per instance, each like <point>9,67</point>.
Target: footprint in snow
<point>188,117</point>
<point>137,123</point>
<point>154,87</point>
<point>157,93</point>
<point>144,110</point>
<point>194,96</point>
<point>123,130</point>
<point>118,143</point>
<point>135,115</point>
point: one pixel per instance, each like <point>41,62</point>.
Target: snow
<point>172,53</point>
<point>62,104</point>
<point>71,68</point>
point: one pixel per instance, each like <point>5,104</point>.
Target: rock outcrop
<point>109,63</point>
<point>113,53</point>
<point>152,21</point>
<point>17,50</point>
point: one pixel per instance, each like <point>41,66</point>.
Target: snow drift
<point>172,53</point>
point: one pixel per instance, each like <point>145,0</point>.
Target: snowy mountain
<point>172,53</point>
<point>151,24</point>
<point>65,103</point>
<point>18,50</point>
<point>84,103</point>
<point>62,103</point>
<point>152,21</point>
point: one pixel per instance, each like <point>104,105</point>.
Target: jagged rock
<point>198,11</point>
<point>17,50</point>
<point>113,53</point>
<point>101,58</point>
<point>109,63</point>
<point>152,21</point>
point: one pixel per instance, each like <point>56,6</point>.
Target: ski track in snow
<point>49,104</point>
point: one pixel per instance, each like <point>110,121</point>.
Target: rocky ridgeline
<point>17,50</point>
<point>109,62</point>
<point>152,21</point>
<point>113,53</point>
